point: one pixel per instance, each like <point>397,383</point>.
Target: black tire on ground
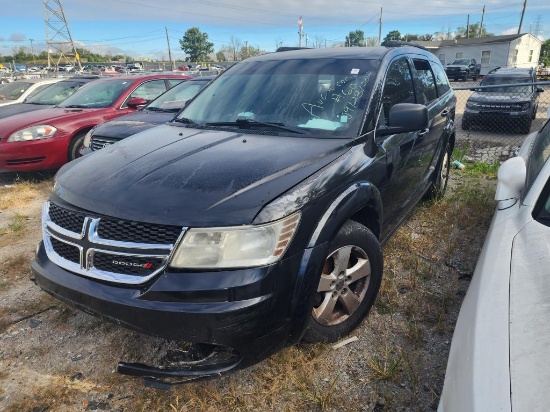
<point>348,284</point>
<point>475,76</point>
<point>76,144</point>
<point>441,176</point>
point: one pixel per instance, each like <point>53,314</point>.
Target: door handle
<point>422,134</point>
<point>444,113</point>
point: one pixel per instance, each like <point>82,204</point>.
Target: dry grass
<point>22,192</point>
<point>397,364</point>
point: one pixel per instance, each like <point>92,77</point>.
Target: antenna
<point>58,36</point>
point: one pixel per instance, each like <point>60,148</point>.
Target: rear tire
<point>439,183</point>
<point>348,285</point>
<point>76,146</point>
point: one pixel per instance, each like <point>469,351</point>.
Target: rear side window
<point>441,80</point>
<point>426,81</point>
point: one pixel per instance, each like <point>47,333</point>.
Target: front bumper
<point>249,313</point>
<point>43,154</point>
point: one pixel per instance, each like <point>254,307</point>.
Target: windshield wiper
<point>252,122</point>
<point>76,106</point>
<point>184,120</point>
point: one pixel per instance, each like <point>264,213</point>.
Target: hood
<point>132,123</point>
<point>14,109</point>
<point>187,177</point>
<point>46,116</point>
<point>502,98</point>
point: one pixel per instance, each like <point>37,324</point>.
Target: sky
<point>138,27</point>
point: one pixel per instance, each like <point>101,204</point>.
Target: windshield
<point>55,93</point>
<point>464,62</point>
<point>12,91</point>
<point>498,81</point>
<point>97,94</point>
<point>175,98</point>
<point>321,96</point>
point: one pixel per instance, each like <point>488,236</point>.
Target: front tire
<point>348,285</point>
<point>76,146</point>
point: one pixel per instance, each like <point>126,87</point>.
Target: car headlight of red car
<point>42,131</point>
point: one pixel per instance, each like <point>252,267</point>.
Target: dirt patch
<point>55,358</point>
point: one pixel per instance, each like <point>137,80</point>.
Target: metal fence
<point>499,117</point>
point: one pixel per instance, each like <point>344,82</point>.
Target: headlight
<point>88,137</point>
<point>232,247</point>
<point>33,133</point>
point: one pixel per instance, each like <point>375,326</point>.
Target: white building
<point>514,50</point>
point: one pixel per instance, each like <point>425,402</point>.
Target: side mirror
<point>405,117</point>
<point>136,102</point>
<point>511,181</point>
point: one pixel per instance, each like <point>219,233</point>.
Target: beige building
<point>514,50</point>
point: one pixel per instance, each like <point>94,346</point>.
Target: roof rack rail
<point>401,43</point>
<point>282,49</point>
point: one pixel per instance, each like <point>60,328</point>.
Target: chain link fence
<point>497,118</point>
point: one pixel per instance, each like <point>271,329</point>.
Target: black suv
<point>255,218</point>
<point>507,97</point>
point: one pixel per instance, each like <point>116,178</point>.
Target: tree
<point>393,35</point>
<point>474,32</point>
<point>196,44</point>
<point>355,38</point>
<point>545,53</point>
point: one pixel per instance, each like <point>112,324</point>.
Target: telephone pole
<point>521,18</point>
<point>169,52</point>
<point>32,51</point>
<point>380,28</point>
<point>301,31</point>
<point>468,27</point>
<point>481,25</point>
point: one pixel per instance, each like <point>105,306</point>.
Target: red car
<point>47,139</point>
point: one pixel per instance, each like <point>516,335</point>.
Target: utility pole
<point>307,39</point>
<point>32,51</point>
<point>60,40</point>
<point>301,31</point>
<point>380,28</point>
<point>522,13</point>
<point>468,27</point>
<point>481,25</point>
<point>169,52</point>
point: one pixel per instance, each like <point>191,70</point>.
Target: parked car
<point>159,111</point>
<point>255,218</point>
<point>48,97</point>
<point>463,69</point>
<point>506,95</point>
<point>19,90</point>
<point>502,335</point>
<point>47,139</point>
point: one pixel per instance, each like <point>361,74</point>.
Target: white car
<point>19,90</point>
<point>499,353</point>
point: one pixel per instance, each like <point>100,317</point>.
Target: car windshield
<point>55,93</point>
<point>97,94</point>
<point>174,99</point>
<point>321,96</point>
<point>498,81</point>
<point>465,62</point>
<point>12,91</point>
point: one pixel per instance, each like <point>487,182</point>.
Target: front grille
<point>66,251</point>
<point>129,231</point>
<point>99,142</point>
<point>140,266</point>
<point>67,219</point>
<point>105,248</point>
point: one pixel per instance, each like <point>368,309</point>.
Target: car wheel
<point>475,76</point>
<point>441,177</point>
<point>348,285</point>
<point>76,146</point>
